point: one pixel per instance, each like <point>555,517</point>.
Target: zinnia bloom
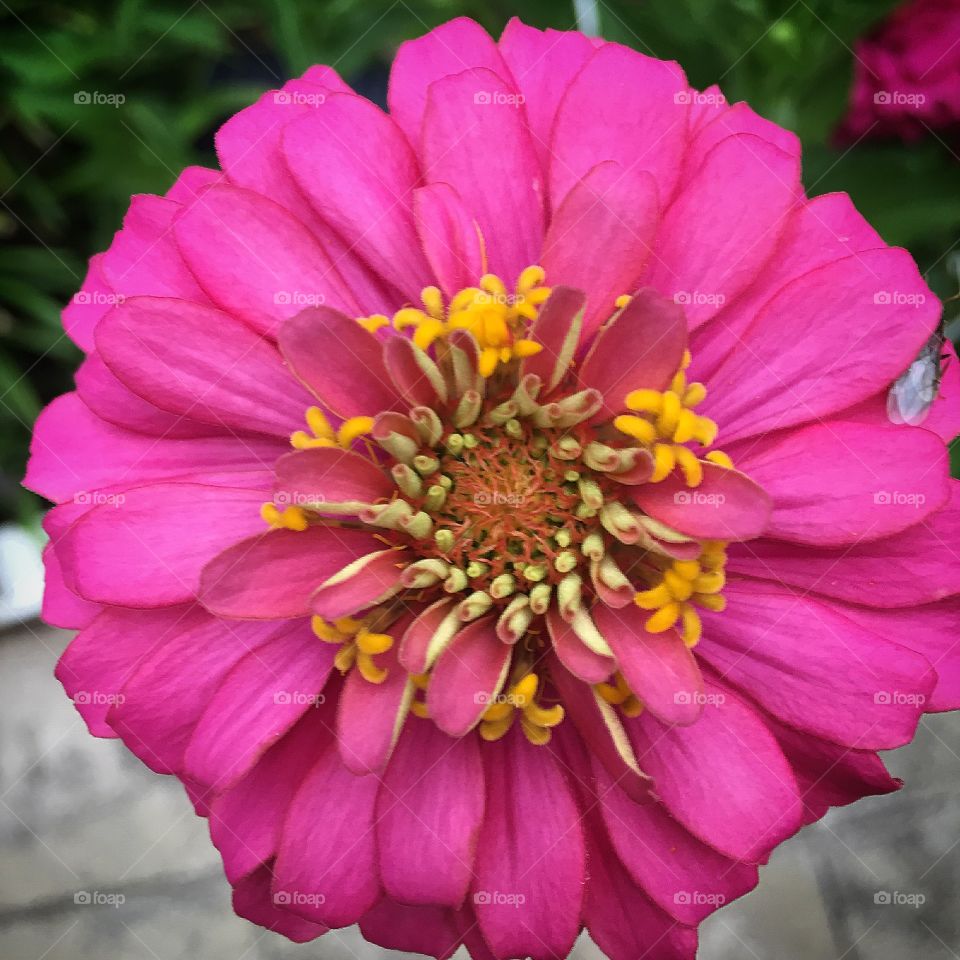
<point>489,510</point>
<point>906,74</point>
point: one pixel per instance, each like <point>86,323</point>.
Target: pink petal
<point>801,660</point>
<point>835,483</point>
<point>916,566</point>
<point>429,815</point>
<point>415,653</point>
<point>143,259</point>
<point>539,858</point>
<point>329,475</point>
<point>191,182</point>
<point>397,926</point>
<point>502,188</point>
<point>642,346</point>
<point>414,374</point>
<point>658,667</point>
<point>449,237</point>
<point>199,362</point>
<point>94,298</point>
<point>543,63</point>
<point>727,505</point>
<point>451,48</point>
<point>574,654</point>
<point>339,361</point>
<point>557,329</point>
<point>164,696</point>
<point>467,675</point>
<point>254,901</point>
<point>796,335</point>
<point>103,457</point>
<point>361,183</point>
<point>711,244</point>
<point>61,606</point>
<point>618,209</point>
<point>274,574</point>
<point>625,107</point>
<point>368,581</point>
<point>147,549</point>
<point>258,701</point>
<point>684,877</point>
<point>328,847</point>
<point>724,778</point>
<point>255,260</point>
<point>246,819</point>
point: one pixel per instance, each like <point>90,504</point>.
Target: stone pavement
<point>80,819</point>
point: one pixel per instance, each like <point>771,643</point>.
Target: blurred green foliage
<point>67,168</point>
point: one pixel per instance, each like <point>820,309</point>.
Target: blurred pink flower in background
<point>518,650</point>
<point>907,74</point>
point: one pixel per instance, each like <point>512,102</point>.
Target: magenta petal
<point>274,575</point>
<point>574,654</point>
<point>147,549</point>
<point>621,106</point>
<point>640,347</point>
<point>257,261</point>
<point>415,654</point>
<point>339,361</point>
<point>540,858</point>
<point>326,868</point>
<point>724,777</point>
<point>801,660</point>
<point>198,362</point>
<point>467,675</point>
<point>836,483</point>
<point>727,505</point>
<point>366,582</point>
<point>329,475</point>
<point>414,374</point>
<point>683,876</point>
<point>246,819</point>
<point>259,700</point>
<point>61,606</point>
<point>429,815</point>
<point>254,901</point>
<point>600,206</point>
<point>449,236</point>
<point>557,329</point>
<point>361,184</point>
<point>370,716</point>
<point>502,188</point>
<point>658,667</point>
<point>711,244</point>
<point>451,48</point>
<point>94,298</point>
<point>161,700</point>
<point>399,926</point>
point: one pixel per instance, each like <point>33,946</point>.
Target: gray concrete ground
<point>81,816</point>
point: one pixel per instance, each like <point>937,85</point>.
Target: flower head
<point>489,510</point>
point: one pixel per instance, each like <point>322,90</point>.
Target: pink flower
<point>906,77</point>
<point>505,646</point>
